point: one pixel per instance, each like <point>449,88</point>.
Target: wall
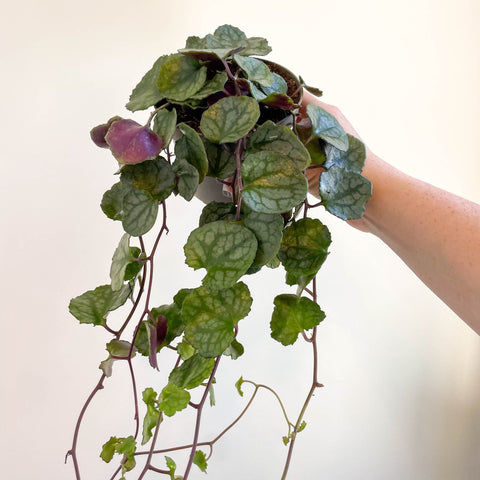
<point>401,371</point>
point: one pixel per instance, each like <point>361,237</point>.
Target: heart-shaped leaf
<point>279,139</point>
<point>132,143</point>
<point>212,316</point>
<point>273,184</point>
<point>326,127</point>
<point>180,77</point>
<point>344,193</point>
<point>229,119</point>
<point>225,250</point>
<point>292,315</point>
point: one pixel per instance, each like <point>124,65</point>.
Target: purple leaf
<point>97,134</point>
<point>157,333</point>
<point>132,143</point>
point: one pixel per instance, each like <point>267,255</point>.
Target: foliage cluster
<point>218,112</point>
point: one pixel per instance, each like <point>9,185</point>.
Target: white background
<point>401,371</point>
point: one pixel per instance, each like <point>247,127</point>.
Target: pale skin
<point>436,233</point>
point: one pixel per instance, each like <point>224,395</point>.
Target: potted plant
<point>223,125</point>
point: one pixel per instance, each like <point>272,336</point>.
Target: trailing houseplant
<point>220,120</point>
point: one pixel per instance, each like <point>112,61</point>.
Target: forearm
<point>437,234</point>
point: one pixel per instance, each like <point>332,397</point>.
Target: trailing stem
<point>314,386</point>
<point>199,416</point>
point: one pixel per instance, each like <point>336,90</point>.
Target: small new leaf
<point>150,420</point>
<point>291,316</point>
<point>200,460</point>
<point>173,399</point>
<point>238,386</point>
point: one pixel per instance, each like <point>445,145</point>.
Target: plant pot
<point>211,190</point>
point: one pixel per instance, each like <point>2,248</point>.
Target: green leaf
<point>279,85</point>
<point>212,316</point>
<point>195,42</point>
<point>185,351</point>
<point>124,446</point>
<point>165,124</point>
<point>304,247</point>
<point>291,316</point>
<point>119,349</point>
<point>139,212</point>
<point>215,211</point>
<point>181,77</point>
<point>173,399</point>
<point>150,420</point>
<point>344,193</point>
<point>352,160</point>
<point>256,46</point>
<point>326,126</point>
<point>127,447</point>
<point>112,201</point>
<point>94,305</point>
<point>221,163</point>
<point>269,230</point>
<point>216,84</point>
<point>273,184</point>
<point>256,70</point>
<point>154,176</point>
<point>225,250</point>
<point>146,93</point>
<point>200,460</point>
<point>171,465</point>
<point>187,176</point>
<point>234,350</point>
<point>227,36</point>
<point>302,426</point>
<point>108,449</point>
<point>192,372</point>
<point>190,148</point>
<point>238,386</point>
<point>134,267</point>
<point>229,119</point>
<point>121,258</point>
<point>281,140</point>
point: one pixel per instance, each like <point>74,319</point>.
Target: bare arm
<point>436,233</point>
